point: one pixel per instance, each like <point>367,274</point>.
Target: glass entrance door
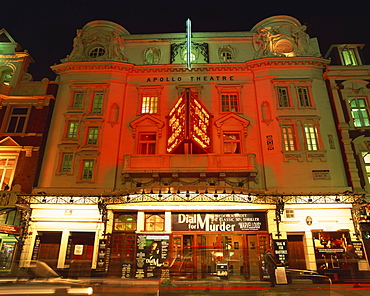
<point>220,256</point>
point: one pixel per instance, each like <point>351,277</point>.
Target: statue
<point>117,47</point>
<point>77,46</point>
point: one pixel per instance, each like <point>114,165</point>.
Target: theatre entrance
<point>209,256</point>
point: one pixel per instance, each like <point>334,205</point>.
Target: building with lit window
<point>187,155</point>
<point>348,83</point>
<point>25,112</point>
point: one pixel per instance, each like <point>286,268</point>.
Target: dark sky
<point>46,28</point>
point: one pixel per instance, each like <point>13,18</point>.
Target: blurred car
<point>309,276</point>
<point>41,279</point>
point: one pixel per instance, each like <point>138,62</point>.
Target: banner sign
<point>219,222</point>
<point>9,229</point>
<point>151,255</point>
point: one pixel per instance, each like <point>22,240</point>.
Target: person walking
<point>271,266</point>
<point>352,259</point>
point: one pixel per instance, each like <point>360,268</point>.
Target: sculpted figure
<point>303,41</point>
<point>117,46</point>
<point>77,46</point>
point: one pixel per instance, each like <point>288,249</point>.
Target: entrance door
<point>254,263</point>
<point>296,252</point>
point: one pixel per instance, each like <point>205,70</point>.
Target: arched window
<point>125,222</point>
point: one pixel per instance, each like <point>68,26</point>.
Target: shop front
<point>197,245</point>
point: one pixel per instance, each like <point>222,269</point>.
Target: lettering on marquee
<point>190,78</point>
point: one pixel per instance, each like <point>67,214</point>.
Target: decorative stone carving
<point>282,36</point>
<point>98,40</point>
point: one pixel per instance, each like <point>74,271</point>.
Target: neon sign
<point>188,120</point>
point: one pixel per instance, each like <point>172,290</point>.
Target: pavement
<point>228,288</point>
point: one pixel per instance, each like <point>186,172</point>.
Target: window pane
<point>283,97</point>
<point>149,104</point>
<point>72,129</point>
<point>304,99</point>
<point>288,138</point>
<point>67,162</point>
<point>78,98</point>
<point>359,112</point>
<point>231,143</point>
<point>147,143</point>
<point>92,137</point>
<point>7,168</point>
<point>98,102</point>
<point>311,137</point>
<point>17,120</point>
<point>229,102</point>
<point>87,169</point>
<point>154,222</point>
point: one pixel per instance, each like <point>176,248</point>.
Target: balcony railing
<point>190,163</point>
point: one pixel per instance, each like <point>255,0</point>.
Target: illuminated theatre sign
<point>219,222</point>
<point>188,122</point>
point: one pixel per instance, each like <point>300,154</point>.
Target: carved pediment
<point>231,119</point>
<point>147,121</point>
<point>8,142</point>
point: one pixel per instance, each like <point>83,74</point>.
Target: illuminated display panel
<point>176,124</point>
<point>188,120</point>
<point>199,123</point>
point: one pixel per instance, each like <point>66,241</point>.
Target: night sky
<point>46,28</point>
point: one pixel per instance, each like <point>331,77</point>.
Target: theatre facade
<point>188,155</point>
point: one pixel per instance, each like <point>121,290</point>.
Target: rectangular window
<point>289,213</point>
<point>92,136</point>
<point>66,162</point>
<point>310,132</point>
<point>154,222</point>
<point>231,142</point>
<point>147,143</point>
<point>366,157</point>
<point>97,103</point>
<point>149,104</point>
<point>17,120</point>
<point>72,129</point>
<point>87,170</point>
<point>288,138</point>
<point>78,99</point>
<point>283,96</point>
<point>349,56</point>
<point>229,102</point>
<point>7,169</point>
<point>359,111</point>
<point>304,97</point>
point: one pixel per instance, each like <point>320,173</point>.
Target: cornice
<point>296,61</point>
<point>91,66</point>
<point>196,68</point>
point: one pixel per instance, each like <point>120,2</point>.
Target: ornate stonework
<point>98,41</point>
<point>281,36</point>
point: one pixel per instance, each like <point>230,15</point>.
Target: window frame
<point>238,140</point>
<point>360,110</point>
<point>147,143</point>
<point>162,221</point>
<point>75,132</point>
<point>287,103</point>
<point>229,90</point>
<point>289,138</point>
<point>311,137</point>
<point>304,100</point>
<point>10,115</point>
<point>90,170</point>
<point>152,91</point>
<point>352,59</point>
<point>62,164</point>
<point>80,94</point>
<point>6,167</point>
<point>95,140</point>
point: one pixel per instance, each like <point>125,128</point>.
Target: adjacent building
<point>25,112</point>
<point>188,155</point>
